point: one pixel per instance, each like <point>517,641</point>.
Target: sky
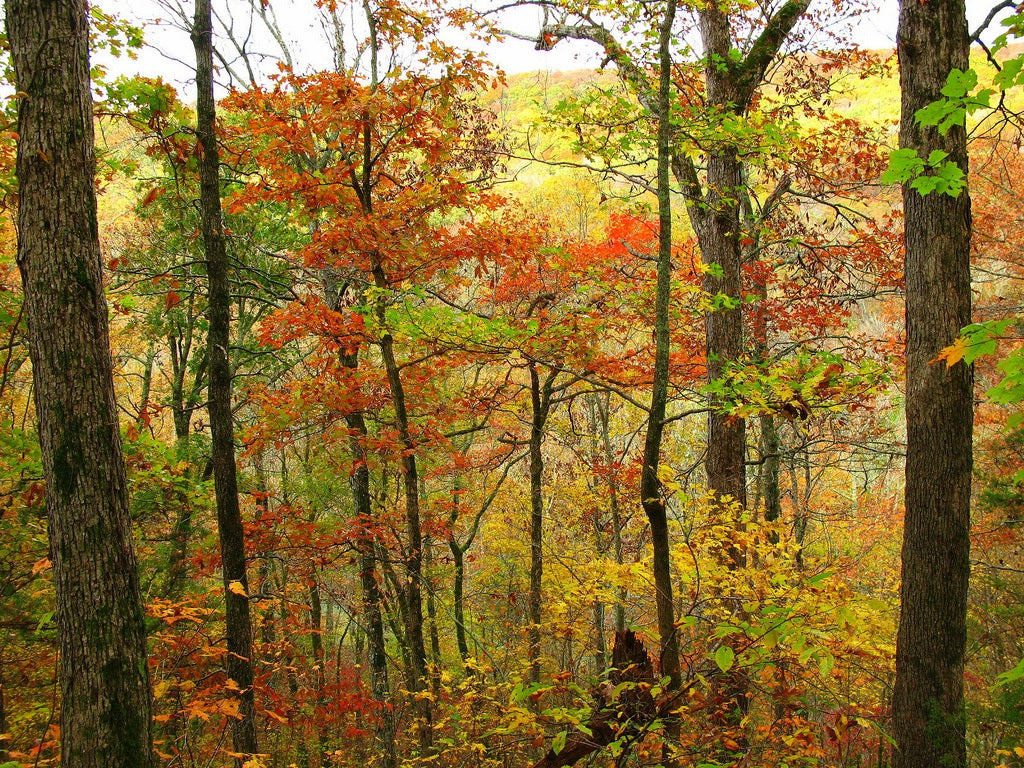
<point>170,50</point>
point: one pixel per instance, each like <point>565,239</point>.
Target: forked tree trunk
<point>104,680</point>
<point>413,587</point>
<point>928,706</point>
<point>540,407</point>
<point>238,624</point>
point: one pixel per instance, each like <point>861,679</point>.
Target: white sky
<point>170,50</point>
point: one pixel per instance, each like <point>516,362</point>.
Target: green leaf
<point>959,83</point>
<point>819,578</point>
<point>1008,76</point>
<point>558,743</point>
<point>724,658</point>
<point>942,113</point>
<point>825,663</point>
<point>1014,674</point>
<point>904,164</point>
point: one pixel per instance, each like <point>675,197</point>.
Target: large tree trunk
<point>718,232</point>
<point>104,681</point>
<point>715,216</point>
<point>928,707</point>
<point>238,624</point>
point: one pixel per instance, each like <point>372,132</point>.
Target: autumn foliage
<point>442,286</point>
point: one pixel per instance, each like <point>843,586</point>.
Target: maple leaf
<point>954,353</point>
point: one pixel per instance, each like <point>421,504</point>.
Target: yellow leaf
<point>954,353</point>
<point>237,588</point>
<point>1018,751</point>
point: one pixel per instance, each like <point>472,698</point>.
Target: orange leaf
<point>954,353</point>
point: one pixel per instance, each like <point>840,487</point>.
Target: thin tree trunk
<point>238,624</point>
<point>316,626</point>
<point>413,589</point>
<point>4,754</point>
<point>103,673</point>
<point>459,600</point>
<point>770,447</point>
<point>459,579</point>
<point>651,497</point>
<point>435,640</point>
<point>540,407</point>
<point>372,595</point>
<point>928,705</point>
<point>613,502</point>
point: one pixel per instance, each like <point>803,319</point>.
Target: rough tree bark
<point>928,707</point>
<point>104,680</point>
<point>238,623</point>
<point>715,216</point>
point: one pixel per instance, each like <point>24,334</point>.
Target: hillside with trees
<point>404,413</point>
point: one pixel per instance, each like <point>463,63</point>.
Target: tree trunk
<point>771,445</point>
<point>435,639</point>
<point>928,706</point>
<point>413,589</point>
<point>540,407</point>
<point>719,234</point>
<point>104,680</point>
<point>238,624</point>
<point>604,417</point>
<point>459,600</point>
<point>651,497</point>
<point>372,596</point>
<point>5,756</point>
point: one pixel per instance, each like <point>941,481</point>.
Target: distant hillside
<point>873,98</point>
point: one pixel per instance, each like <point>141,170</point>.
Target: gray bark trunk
<point>104,680</point>
<point>928,706</point>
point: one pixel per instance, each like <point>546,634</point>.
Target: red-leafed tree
<point>371,163</point>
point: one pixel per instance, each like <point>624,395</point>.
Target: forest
<point>395,411</point>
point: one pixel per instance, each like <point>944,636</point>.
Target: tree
<point>104,680</point>
<point>239,665</point>
<point>928,707</point>
<point>651,495</point>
